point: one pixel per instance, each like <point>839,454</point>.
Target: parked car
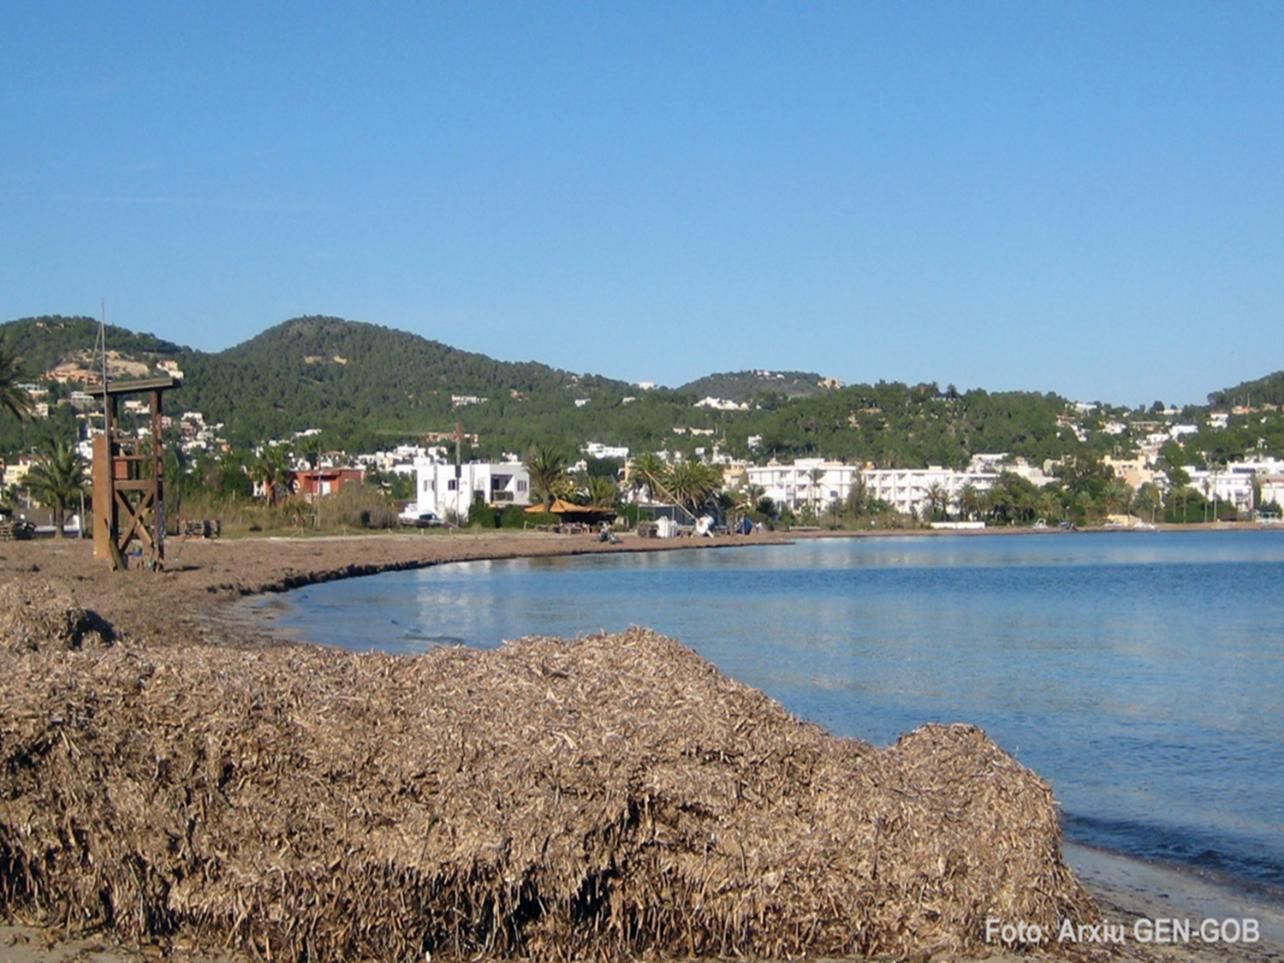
<point>423,520</point>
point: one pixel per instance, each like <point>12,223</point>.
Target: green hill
<point>369,387</point>
<point>363,380</point>
<point>43,342</point>
<point>744,386</point>
<point>1264,391</point>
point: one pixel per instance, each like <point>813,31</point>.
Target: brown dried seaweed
<point>608,796</point>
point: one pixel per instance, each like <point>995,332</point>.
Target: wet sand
<point>188,603</point>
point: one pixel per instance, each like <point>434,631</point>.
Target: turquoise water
<point>1141,674</point>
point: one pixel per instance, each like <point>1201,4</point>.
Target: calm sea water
<point>1141,674</point>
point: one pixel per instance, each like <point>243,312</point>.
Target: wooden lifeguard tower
<point>129,480</point>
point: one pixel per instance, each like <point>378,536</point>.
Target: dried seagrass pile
<point>607,796</point>
<point>40,616</point>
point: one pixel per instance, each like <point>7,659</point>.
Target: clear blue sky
<point>1080,197</point>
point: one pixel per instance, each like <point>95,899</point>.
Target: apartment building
<point>448,489</point>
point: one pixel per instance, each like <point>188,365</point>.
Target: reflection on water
<point>1142,674</point>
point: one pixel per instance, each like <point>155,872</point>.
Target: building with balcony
<point>449,490</point>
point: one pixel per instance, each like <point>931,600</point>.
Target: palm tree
<point>649,472</point>
<point>815,476</point>
<point>691,483</point>
<point>1117,497</point>
<point>857,502</point>
<point>747,498</point>
<point>548,471</point>
<point>1149,498</point>
<point>601,491</point>
<point>311,448</point>
<point>271,469</point>
<point>937,498</point>
<point>57,480</point>
<point>969,501</point>
<point>1048,505</point>
<point>13,399</point>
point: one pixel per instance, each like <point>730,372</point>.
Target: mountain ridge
<point>366,385</point>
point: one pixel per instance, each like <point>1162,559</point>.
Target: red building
<point>311,482</point>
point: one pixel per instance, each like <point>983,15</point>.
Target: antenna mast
<point>100,346</point>
<point>100,352</point>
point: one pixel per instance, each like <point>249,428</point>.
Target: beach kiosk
<point>129,480</point>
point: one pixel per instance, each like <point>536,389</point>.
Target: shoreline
<point>260,613</point>
<point>1152,889</point>
<point>190,605</point>
<point>186,602</point>
<point>1009,530</point>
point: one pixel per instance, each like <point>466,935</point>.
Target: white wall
<point>447,489</point>
<point>904,489</point>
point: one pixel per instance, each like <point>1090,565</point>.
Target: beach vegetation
<point>360,506</point>
<point>58,480</point>
<point>647,474</point>
<point>13,399</point>
<point>598,491</point>
<point>548,473</point>
<point>692,484</point>
<point>271,469</point>
<point>1013,500</point>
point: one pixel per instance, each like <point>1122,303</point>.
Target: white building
<point>816,483</point>
<point>1232,483</point>
<point>448,489</point>
<point>721,404</point>
<point>907,489</point>
<point>808,481</point>
<point>1224,485</point>
<point>595,449</point>
<point>1272,489</point>
<point>16,472</point>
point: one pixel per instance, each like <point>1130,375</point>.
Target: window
<point>521,485</point>
<point>452,485</point>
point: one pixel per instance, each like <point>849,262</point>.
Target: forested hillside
<point>43,342</point>
<point>744,386</point>
<point>366,382</point>
<point>896,425</point>
<point>1264,391</point>
<point>369,387</point>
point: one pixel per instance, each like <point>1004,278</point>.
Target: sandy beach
<point>185,602</point>
<point>188,604</point>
